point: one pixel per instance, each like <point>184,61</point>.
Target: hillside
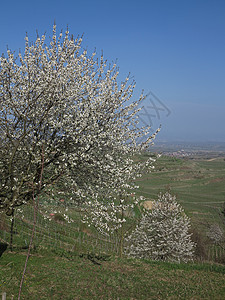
<point>89,262</point>
<point>50,276</point>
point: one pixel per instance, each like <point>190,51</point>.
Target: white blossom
<point>162,233</point>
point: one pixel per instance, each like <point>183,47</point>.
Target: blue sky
<point>173,48</point>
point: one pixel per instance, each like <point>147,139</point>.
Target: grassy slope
<point>199,186</point>
<point>52,277</point>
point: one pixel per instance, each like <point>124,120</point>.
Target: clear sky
<point>173,48</point>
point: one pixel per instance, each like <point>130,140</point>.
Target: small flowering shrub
<point>215,234</point>
<point>162,233</point>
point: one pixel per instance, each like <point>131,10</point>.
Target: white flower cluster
<point>19,212</point>
<point>162,233</point>
<point>108,216</point>
<point>216,234</point>
<point>52,215</point>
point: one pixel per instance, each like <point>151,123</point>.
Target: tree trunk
<point>11,231</point>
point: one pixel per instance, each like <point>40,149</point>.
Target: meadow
<point>50,276</point>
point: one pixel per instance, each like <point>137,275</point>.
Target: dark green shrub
<point>201,245</point>
<point>3,247</point>
<point>59,218</point>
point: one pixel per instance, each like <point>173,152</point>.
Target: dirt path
<point>211,159</point>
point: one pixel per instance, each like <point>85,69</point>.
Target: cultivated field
<point>198,184</point>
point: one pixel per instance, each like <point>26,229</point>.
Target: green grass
<point>50,276</point>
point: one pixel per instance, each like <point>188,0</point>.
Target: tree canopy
<point>59,104</point>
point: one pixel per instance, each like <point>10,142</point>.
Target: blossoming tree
<point>163,233</point>
<point>63,105</point>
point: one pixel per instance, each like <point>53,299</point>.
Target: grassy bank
<point>50,276</point>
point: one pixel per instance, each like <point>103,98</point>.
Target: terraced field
<point>198,184</point>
